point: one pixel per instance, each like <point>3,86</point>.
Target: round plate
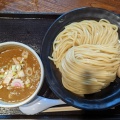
<point>108,97</point>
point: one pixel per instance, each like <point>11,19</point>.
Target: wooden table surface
<point>55,6</point>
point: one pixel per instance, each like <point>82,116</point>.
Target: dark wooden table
<point>60,6</point>
<point>55,6</point>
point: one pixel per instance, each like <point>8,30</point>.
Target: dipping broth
<point>19,74</point>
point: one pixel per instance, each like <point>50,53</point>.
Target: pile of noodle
<point>87,54</point>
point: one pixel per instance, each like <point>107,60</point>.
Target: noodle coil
<point>87,46</point>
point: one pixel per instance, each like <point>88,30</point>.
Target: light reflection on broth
<point>19,73</point>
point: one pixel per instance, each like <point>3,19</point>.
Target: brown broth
<point>17,94</point>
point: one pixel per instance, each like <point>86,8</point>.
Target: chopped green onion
<point>1,76</point>
<point>27,85</point>
<point>18,67</point>
<point>14,73</point>
<point>13,67</point>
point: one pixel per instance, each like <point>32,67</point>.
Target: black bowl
<point>108,97</point>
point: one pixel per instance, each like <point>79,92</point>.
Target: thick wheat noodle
<point>87,46</point>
